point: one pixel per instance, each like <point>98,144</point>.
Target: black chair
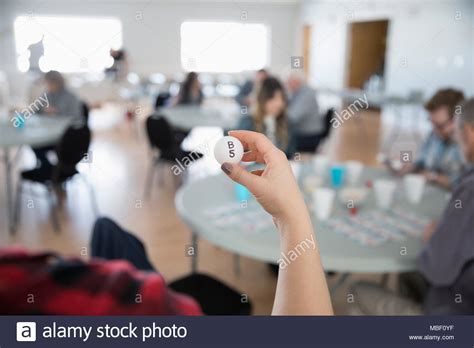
<point>71,149</point>
<point>327,124</point>
<point>165,147</point>
<point>162,99</point>
<point>311,144</point>
<point>111,242</point>
<point>214,297</point>
<point>85,112</point>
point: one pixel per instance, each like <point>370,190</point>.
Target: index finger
<point>256,142</point>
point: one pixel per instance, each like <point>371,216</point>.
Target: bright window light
<point>223,46</point>
<point>70,44</point>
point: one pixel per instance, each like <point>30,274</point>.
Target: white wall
<point>3,33</point>
<point>437,48</point>
<point>153,43</point>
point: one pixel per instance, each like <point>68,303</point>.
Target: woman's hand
<point>275,187</point>
<point>301,287</point>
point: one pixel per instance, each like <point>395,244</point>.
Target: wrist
<point>294,225</point>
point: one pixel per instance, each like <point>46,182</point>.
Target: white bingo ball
<point>228,149</point>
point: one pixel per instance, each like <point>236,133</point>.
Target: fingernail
<point>226,168</point>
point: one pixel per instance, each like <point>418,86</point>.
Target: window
<point>223,47</point>
<point>66,44</point>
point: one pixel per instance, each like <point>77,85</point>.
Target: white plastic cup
<point>384,192</point>
<point>321,165</point>
<point>323,199</point>
<point>414,187</point>
<point>354,171</point>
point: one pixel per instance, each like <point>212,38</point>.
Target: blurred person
<point>190,92</point>
<point>61,103</point>
<point>249,90</point>
<point>270,117</point>
<point>36,52</point>
<point>119,68</point>
<point>444,283</point>
<point>108,287</point>
<point>107,284</point>
<point>303,114</point>
<point>447,261</point>
<point>440,159</point>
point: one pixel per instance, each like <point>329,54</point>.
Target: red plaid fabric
<point>44,283</point>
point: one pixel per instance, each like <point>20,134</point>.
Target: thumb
<point>241,176</point>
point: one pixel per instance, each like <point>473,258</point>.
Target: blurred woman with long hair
<point>190,92</point>
<point>270,116</point>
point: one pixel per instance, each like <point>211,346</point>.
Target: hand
<point>274,187</point>
<point>429,230</point>
<point>391,166</point>
<point>430,176</point>
<point>438,179</point>
<point>301,287</point>
<point>404,169</point>
<point>50,110</point>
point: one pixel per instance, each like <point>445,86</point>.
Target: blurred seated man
<point>303,114</point>
<point>119,280</point>
<point>61,103</point>
<point>447,261</point>
<point>440,159</point>
<point>445,281</point>
<point>248,91</point>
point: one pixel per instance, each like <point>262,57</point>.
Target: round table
<point>37,131</point>
<point>195,200</point>
<point>188,117</point>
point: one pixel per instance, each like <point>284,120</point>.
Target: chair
<point>324,136</point>
<point>85,112</point>
<point>111,242</point>
<point>311,144</point>
<point>327,124</point>
<point>165,147</point>
<point>162,99</point>
<point>214,297</point>
<point>71,149</point>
